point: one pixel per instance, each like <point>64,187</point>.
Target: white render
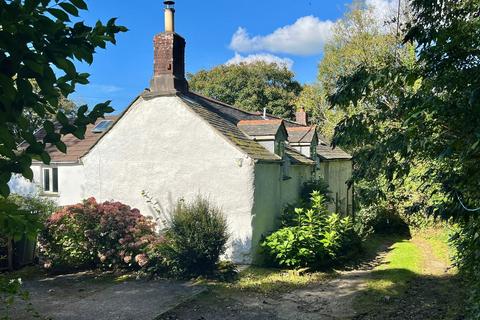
<point>71,183</point>
<point>162,147</point>
<point>337,173</point>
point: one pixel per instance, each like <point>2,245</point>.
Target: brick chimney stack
<point>169,58</point>
<point>301,117</point>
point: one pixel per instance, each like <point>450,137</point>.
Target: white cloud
<point>305,37</point>
<point>266,57</point>
<point>385,12</point>
<point>104,88</point>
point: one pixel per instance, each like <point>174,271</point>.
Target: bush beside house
<point>113,236</point>
<point>311,236</point>
<point>194,239</point>
<point>107,235</point>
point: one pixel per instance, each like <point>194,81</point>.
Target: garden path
<point>87,296</point>
<point>427,294</point>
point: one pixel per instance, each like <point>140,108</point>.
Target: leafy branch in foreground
<point>39,44</point>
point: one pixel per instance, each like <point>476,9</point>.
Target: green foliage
<point>108,235</point>
<point>35,204</point>
<point>382,220</point>
<point>425,110</point>
<point>467,258</point>
<point>17,221</point>
<point>37,37</point>
<point>315,184</point>
<point>10,290</point>
<point>194,239</point>
<point>313,238</point>
<point>250,87</point>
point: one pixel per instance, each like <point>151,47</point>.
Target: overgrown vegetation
<point>311,237</point>
<point>20,220</point>
<point>424,110</point>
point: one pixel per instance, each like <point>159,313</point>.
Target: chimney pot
<point>169,16</point>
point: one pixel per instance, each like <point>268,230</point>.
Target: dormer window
<point>270,133</point>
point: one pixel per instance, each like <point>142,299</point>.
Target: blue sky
<point>292,32</point>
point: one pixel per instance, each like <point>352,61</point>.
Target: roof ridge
<point>223,103</point>
<point>260,121</point>
<point>302,128</point>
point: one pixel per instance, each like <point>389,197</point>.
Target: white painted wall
<point>71,181</point>
<point>337,173</point>
<point>163,147</point>
<point>267,206</point>
<point>291,187</point>
<point>272,194</point>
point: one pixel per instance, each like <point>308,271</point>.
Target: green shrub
<point>316,184</point>
<point>109,235</point>
<point>312,237</point>
<point>466,240</point>
<point>195,238</point>
<point>39,206</point>
<point>381,220</point>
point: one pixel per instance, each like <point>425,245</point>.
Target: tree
<point>433,116</point>
<point>251,86</point>
<point>314,101</point>
<point>68,107</point>
<point>360,39</point>
<point>36,38</point>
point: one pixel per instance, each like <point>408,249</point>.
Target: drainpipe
<point>353,197</point>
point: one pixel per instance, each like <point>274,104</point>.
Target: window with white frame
<point>50,180</point>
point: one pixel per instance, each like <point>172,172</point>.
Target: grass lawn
<point>268,281</point>
<point>415,274</point>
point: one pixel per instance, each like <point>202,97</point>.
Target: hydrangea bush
<point>109,235</point>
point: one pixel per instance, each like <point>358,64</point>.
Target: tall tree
<point>314,101</point>
<point>37,36</point>
<point>250,86</point>
<point>434,117</point>
<point>361,39</point>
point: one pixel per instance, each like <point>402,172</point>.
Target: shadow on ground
<point>88,295</point>
<point>420,297</point>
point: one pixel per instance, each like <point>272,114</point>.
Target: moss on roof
<point>229,129</point>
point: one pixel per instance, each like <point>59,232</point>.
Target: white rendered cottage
<point>173,143</point>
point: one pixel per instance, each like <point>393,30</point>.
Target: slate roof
<point>256,128</point>
<point>76,148</point>
<point>301,134</point>
<point>225,122</point>
<point>234,124</point>
<point>326,152</point>
<point>297,157</point>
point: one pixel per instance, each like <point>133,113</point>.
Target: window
<point>54,179</point>
<point>102,126</point>
<point>50,180</point>
<point>46,180</point>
